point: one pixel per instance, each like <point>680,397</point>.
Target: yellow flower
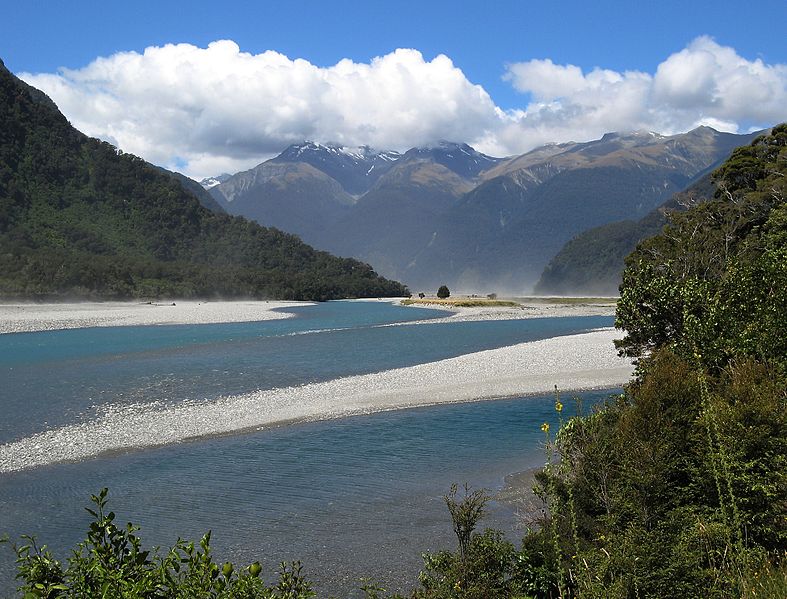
<point>558,406</point>
<point>545,427</point>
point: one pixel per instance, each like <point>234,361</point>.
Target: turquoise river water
<point>351,498</point>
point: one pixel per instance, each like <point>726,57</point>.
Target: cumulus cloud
<point>217,109</point>
<point>703,84</point>
<point>220,108</point>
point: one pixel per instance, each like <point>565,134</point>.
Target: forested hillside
<point>78,218</point>
<point>592,262</point>
<point>678,488</point>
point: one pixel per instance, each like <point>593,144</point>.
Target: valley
<point>449,214</point>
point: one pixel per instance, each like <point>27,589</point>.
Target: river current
<point>351,498</point>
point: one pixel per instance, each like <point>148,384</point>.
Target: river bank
<point>31,317</point>
<point>521,308</point>
<point>23,317</point>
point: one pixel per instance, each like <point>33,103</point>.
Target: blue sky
<point>482,41</point>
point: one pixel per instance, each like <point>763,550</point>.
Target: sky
<point>206,87</point>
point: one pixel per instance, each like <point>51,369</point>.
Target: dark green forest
<point>81,219</point>
<point>678,488</point>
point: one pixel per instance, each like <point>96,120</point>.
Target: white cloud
<point>703,84</point>
<point>218,109</point>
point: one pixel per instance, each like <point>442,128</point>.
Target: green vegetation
<point>592,262</point>
<point>463,302</point>
<point>78,218</point>
<point>112,563</point>
<point>443,292</point>
<point>713,287</point>
<point>679,487</point>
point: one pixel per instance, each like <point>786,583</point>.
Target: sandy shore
<point>572,362</point>
<point>19,318</point>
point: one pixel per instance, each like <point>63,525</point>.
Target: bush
<point>443,292</point>
<point>111,562</point>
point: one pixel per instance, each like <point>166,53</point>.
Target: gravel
<point>26,318</point>
<point>573,362</point>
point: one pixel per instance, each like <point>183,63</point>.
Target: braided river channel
<point>352,497</point>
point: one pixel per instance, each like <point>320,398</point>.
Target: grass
<point>473,302</point>
<point>766,582</point>
<point>568,300</point>
<point>463,302</point>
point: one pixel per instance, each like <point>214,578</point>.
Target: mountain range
<point>447,213</point>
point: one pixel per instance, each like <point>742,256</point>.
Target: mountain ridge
<point>445,213</point>
<point>592,262</point>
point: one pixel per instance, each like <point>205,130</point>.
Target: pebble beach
<point>29,317</point>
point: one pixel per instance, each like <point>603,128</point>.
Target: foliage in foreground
<point>112,563</point>
<point>679,488</point>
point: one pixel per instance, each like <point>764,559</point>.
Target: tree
<point>443,292</point>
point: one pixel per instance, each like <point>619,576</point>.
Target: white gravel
<point>29,317</point>
<point>22,318</point>
<point>572,362</point>
<point>524,310</point>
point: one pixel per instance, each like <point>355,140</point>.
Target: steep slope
<point>502,233</point>
<point>592,262</point>
<point>294,197</point>
<point>380,207</point>
<point>396,218</point>
<point>196,189</point>
<point>306,189</point>
<point>80,218</point>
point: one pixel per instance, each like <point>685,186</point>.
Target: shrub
<point>111,562</point>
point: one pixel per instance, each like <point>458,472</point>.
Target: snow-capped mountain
<point>355,168</point>
<point>457,157</point>
<point>446,213</point>
<point>210,182</point>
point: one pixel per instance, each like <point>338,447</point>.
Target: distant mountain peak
<point>356,168</point>
<point>210,182</point>
<point>638,135</point>
<point>458,157</point>
<point>362,153</point>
